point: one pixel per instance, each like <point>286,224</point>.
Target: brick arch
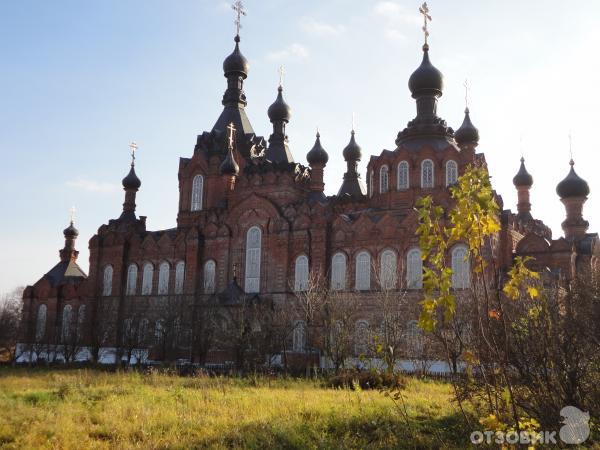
<point>262,206</point>
<point>532,243</point>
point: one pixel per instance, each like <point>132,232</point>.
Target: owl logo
<point>576,427</point>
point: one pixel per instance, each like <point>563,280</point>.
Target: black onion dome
<point>279,110</point>
<point>71,231</point>
<point>573,185</point>
<point>352,152</point>
<point>523,178</point>
<point>236,62</point>
<point>131,181</point>
<point>426,80</point>
<point>229,166</point>
<point>317,154</point>
<point>467,133</point>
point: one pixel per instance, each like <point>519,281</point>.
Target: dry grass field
<point>86,408</point>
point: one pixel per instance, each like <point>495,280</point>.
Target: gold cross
<point>72,214</point>
<point>281,75</point>
<point>353,121</point>
<point>231,130</point>
<point>133,147</point>
<point>466,85</point>
<point>423,9</point>
<point>238,7</point>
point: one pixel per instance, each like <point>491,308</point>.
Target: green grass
<point>86,408</point>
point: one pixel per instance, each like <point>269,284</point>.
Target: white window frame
<point>40,322</point>
<point>81,321</point>
<point>132,272</point>
<point>338,271</point>
<point>67,317</point>
<point>147,278</point>
<point>164,270</point>
<point>197,193</point>
<point>414,269</point>
<point>210,273</point>
<point>451,172</point>
<point>107,280</point>
<point>388,269</point>
<point>301,273</point>
<point>427,180</point>
<point>403,169</point>
<point>461,270</point>
<point>362,280</point>
<point>179,277</point>
<point>253,260</point>
<point>384,179</point>
<point>299,336</point>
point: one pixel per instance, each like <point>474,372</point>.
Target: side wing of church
<point>253,226</point>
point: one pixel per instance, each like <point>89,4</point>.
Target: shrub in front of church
<point>370,379</point>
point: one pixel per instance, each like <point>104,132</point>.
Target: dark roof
<point>229,166</point>
<point>352,151</point>
<point>236,63</point>
<point>523,178</point>
<point>71,231</point>
<point>467,133</point>
<point>65,272</point>
<point>279,110</point>
<point>235,295</point>
<point>317,154</point>
<point>131,181</point>
<point>573,185</point>
<point>427,79</point>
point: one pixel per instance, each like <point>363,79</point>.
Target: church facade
<point>255,229</point>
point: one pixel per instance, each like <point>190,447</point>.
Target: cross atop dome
<point>424,9</point>
<point>133,147</point>
<point>238,7</point>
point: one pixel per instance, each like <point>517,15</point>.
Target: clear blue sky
<point>80,79</point>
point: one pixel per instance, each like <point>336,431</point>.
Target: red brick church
<point>254,225</point>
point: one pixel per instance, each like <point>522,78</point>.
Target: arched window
<point>67,317</point>
<point>451,173</point>
<point>363,271</point>
<point>427,174</point>
<point>338,271</point>
<point>143,332</point>
<point>147,276</point>
<point>384,179</point>
<point>414,269</point>
<point>299,336</point>
<point>403,182</point>
<point>163,278</point>
<point>387,272</point>
<point>414,338</point>
<point>371,175</point>
<point>197,192</point>
<point>131,279</point>
<point>159,331</point>
<point>461,277</point>
<point>107,281</point>
<point>179,277</point>
<point>361,337</point>
<point>40,324</point>
<point>301,273</point>
<point>253,249</point>
<point>209,277</point>
<point>80,322</point>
